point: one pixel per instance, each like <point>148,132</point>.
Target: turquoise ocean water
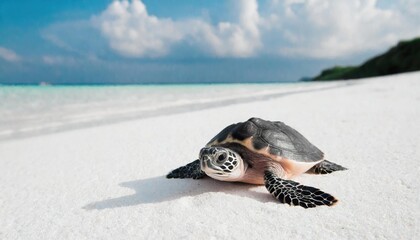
<point>32,110</point>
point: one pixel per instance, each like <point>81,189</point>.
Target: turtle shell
<point>273,139</point>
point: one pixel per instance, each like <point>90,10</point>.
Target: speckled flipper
<point>293,193</point>
<point>326,167</point>
<point>191,170</point>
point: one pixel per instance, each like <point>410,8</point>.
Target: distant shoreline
<point>402,58</point>
<point>144,84</point>
<point>62,108</point>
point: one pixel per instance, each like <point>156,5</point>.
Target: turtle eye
<point>221,157</point>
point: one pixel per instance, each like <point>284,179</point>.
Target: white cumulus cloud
<point>296,28</point>
<point>9,55</point>
<point>334,28</point>
<point>133,32</point>
<point>227,39</point>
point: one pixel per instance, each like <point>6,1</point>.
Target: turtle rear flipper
<point>326,167</point>
<point>293,193</point>
<point>191,170</point>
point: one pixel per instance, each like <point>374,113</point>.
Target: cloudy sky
<point>151,41</point>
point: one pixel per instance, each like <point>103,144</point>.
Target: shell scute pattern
<point>274,139</point>
<point>244,130</point>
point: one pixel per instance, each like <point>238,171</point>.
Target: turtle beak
<point>202,164</point>
<point>206,164</point>
<point>204,161</point>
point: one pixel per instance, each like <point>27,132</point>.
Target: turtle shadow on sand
<point>161,189</point>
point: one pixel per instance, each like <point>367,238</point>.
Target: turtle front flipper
<point>191,170</point>
<point>326,167</point>
<point>293,193</point>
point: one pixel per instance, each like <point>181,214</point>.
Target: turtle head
<point>222,163</point>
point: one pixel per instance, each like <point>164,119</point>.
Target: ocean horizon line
<point>80,108</point>
<point>140,84</point>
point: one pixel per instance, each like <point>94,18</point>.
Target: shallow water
<point>30,110</point>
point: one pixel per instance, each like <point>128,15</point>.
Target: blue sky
<point>150,41</point>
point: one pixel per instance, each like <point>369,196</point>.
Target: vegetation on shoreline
<point>404,57</point>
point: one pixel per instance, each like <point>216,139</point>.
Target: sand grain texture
<point>108,182</point>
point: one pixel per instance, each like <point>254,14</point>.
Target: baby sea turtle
<point>263,152</point>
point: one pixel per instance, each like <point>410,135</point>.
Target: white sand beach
<point>108,181</point>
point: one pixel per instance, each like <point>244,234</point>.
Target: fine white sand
<point>107,182</point>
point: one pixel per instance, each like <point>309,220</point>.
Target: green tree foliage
<point>404,57</point>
